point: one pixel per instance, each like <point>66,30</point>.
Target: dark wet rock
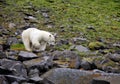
<point>12,54</point>
<point>80,48</point>
<point>63,41</point>
<point>87,65</point>
<point>67,59</point>
<point>34,75</point>
<point>68,76</point>
<point>91,28</point>
<point>43,64</point>
<point>12,79</point>
<point>27,83</point>
<point>3,80</point>
<point>6,47</point>
<point>101,40</point>
<point>1,48</point>
<point>114,57</point>
<point>23,55</point>
<point>95,81</point>
<point>16,67</point>
<point>2,55</point>
<point>4,71</point>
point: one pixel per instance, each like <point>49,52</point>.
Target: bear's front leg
<point>27,44</point>
<point>43,46</point>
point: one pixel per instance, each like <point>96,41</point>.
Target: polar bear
<point>34,38</point>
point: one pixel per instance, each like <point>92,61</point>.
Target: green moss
<point>110,63</point>
<point>62,47</point>
<point>96,45</point>
<point>17,47</point>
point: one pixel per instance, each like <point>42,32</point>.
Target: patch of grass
<point>74,15</point>
<point>17,47</point>
<point>62,47</point>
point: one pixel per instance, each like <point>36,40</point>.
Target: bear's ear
<point>49,35</point>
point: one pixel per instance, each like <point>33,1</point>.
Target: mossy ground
<point>17,47</point>
<point>74,15</point>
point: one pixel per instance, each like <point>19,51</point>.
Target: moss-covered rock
<point>96,45</point>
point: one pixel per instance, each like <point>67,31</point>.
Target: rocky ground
<point>73,63</point>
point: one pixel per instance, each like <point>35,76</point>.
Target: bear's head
<point>51,40</point>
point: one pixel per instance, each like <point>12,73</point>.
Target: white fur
<point>37,39</point>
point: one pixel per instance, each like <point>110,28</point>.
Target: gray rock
<point>109,78</point>
<point>23,55</point>
<point>80,48</point>
<point>79,39</point>
<point>42,64</point>
<point>11,25</point>
<point>2,55</point>
<point>34,75</point>
<point>12,54</point>
<point>86,65</point>
<point>73,76</point>
<point>62,41</point>
<point>36,79</point>
<point>12,40</point>
<point>3,80</point>
<point>12,79</point>
<point>16,67</point>
<point>114,57</point>
<point>68,76</point>
<point>111,69</point>
<point>45,14</point>
<point>31,19</point>
<point>67,58</point>
<point>15,82</point>
<point>116,45</point>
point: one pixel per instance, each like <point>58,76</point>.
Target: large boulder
<point>68,76</point>
<point>14,67</point>
<point>42,63</point>
<point>23,55</point>
<point>66,58</point>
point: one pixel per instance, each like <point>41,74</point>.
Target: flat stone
<point>23,55</point>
